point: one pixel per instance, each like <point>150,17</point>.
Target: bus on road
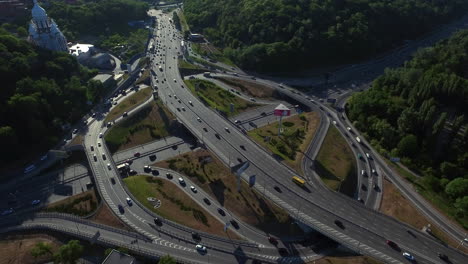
<point>298,181</point>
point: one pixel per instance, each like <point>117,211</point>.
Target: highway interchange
<point>365,230</point>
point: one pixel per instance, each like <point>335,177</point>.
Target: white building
<point>44,32</point>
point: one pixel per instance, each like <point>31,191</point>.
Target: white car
<point>374,172</point>
<point>109,166</point>
<point>227,129</point>
<point>193,189</point>
<point>408,256</point>
<point>368,156</point>
<point>349,129</point>
<point>198,119</point>
<point>175,80</point>
<point>190,103</point>
<point>181,181</point>
<point>200,248</point>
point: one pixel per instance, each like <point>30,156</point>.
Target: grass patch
<point>150,123</point>
<point>183,21</point>
<point>144,77</point>
<point>176,205</point>
<point>251,88</point>
<point>81,204</point>
<point>437,199</point>
<point>129,103</point>
<point>346,260</point>
<point>205,63</point>
<point>17,249</point>
<point>396,205</point>
<point>186,65</point>
<point>208,50</point>
<point>213,177</point>
<point>218,98</point>
<point>298,132</point>
<point>336,163</point>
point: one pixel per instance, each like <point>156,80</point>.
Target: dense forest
<point>283,35</point>
<point>419,113</point>
<point>104,23</point>
<point>41,91</point>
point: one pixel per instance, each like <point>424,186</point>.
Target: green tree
<point>167,260</point>
<point>408,146</point>
<point>457,188</point>
<point>462,206</point>
<point>41,249</point>
<point>22,32</point>
<point>449,170</point>
<point>69,253</point>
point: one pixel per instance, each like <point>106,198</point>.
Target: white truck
<point>358,139</point>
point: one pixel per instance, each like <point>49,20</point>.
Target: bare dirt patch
<point>17,249</point>
<point>81,204</point>
<point>396,205</point>
<point>346,260</point>
<point>251,88</point>
<point>209,173</point>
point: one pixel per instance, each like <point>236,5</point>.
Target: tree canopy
<point>273,35</point>
<point>418,112</point>
<point>41,91</point>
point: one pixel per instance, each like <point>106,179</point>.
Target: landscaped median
<point>253,89</point>
<point>298,132</point>
<point>210,174</point>
<point>175,204</point>
<point>335,163</point>
<point>129,103</point>
<point>218,98</point>
<point>150,123</point>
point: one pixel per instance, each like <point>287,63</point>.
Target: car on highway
<point>183,108</point>
<point>121,208</point>
<point>237,121</point>
<point>146,168</point>
<point>75,131</point>
<point>198,119</point>
<point>194,190</point>
<point>200,248</point>
<point>104,156</point>
<point>221,212</point>
<point>112,180</point>
<point>7,212</point>
<point>408,256</point>
<point>242,147</point>
<point>207,201</point>
<point>368,156</point>
<point>152,157</point>
<point>196,236</point>
<point>339,224</point>
<point>442,256</point>
<point>93,115</point>
<point>393,245</point>
<point>92,148</point>
<point>168,175</point>
<point>100,135</point>
<point>217,136</point>
<point>374,172</point>
<point>124,114</point>
<point>95,157</point>
<point>109,166</point>
<point>205,129</point>
<point>181,181</point>
<point>99,143</point>
<point>137,154</point>
<point>272,240</point>
<point>283,252</point>
<point>227,129</point>
<point>154,171</point>
<point>190,103</point>
<point>175,80</point>
<point>234,223</point>
<point>157,221</point>
<point>129,201</point>
<point>35,202</point>
<point>252,99</point>
<point>363,173</point>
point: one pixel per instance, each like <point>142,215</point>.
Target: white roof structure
<point>78,49</point>
<point>281,107</point>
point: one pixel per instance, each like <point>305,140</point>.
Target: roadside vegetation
<point>275,35</point>
<point>152,122</point>
<point>103,23</point>
<point>129,103</point>
<point>211,52</point>
<point>396,205</point>
<point>251,88</point>
<point>218,98</point>
<point>418,113</point>
<point>176,205</point>
<point>187,65</point>
<point>298,132</point>
<point>345,259</point>
<point>336,164</point>
<point>81,204</point>
<point>207,172</point>
<point>42,91</point>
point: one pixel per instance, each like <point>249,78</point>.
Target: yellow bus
<point>298,181</point>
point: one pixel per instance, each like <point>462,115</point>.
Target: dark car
<point>339,224</point>
<point>121,209</point>
<point>393,245</point>
<point>442,256</point>
<point>112,180</point>
<point>157,221</point>
<point>221,212</point>
<point>168,175</point>
<point>234,224</point>
<point>132,172</point>
<point>242,147</point>
<point>263,114</point>
<point>277,189</point>
<point>272,240</point>
<point>152,157</point>
<point>196,236</point>
<point>137,154</point>
<point>207,201</point>
<point>217,136</point>
<point>154,172</point>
